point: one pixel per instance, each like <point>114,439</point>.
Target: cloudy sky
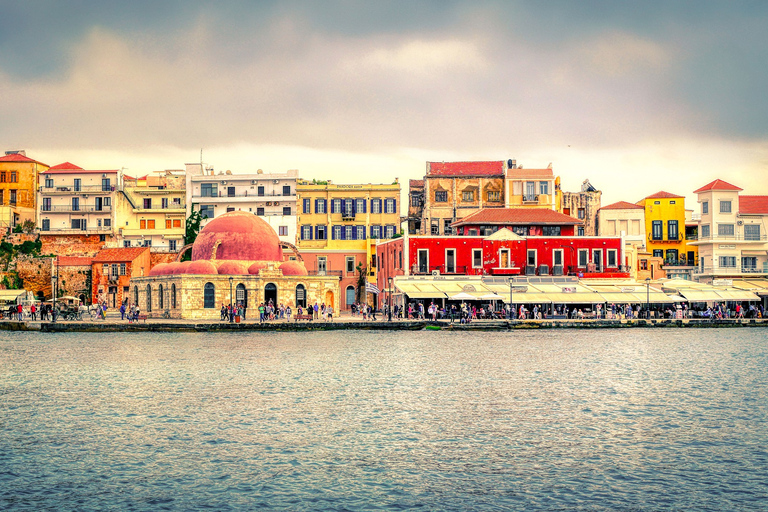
<point>636,96</point>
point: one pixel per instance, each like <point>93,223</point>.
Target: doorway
<point>270,294</point>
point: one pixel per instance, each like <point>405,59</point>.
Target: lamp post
<point>389,296</point>
<point>647,298</point>
<point>510,299</point>
<point>231,304</point>
<point>54,285</point>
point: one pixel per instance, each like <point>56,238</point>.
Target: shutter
<point>394,206</point>
<point>317,201</point>
<point>333,231</point>
<point>364,201</point>
<point>354,232</point>
<point>317,229</point>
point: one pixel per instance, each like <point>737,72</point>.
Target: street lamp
<point>647,298</point>
<point>231,304</point>
<point>389,296</point>
<point>510,299</point>
<point>54,285</point>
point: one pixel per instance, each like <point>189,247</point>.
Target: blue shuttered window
<point>305,208</point>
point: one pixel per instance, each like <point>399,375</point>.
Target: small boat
<point>433,327</point>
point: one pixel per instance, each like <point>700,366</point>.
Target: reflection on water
<point>568,420</point>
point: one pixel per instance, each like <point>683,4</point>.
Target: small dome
<point>172,268</point>
<point>256,267</point>
<point>232,268</point>
<point>293,268</point>
<point>237,236</point>
<point>183,266</point>
<point>160,269</point>
<point>201,267</point>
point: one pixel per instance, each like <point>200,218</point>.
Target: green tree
<point>191,231</point>
<point>362,279</point>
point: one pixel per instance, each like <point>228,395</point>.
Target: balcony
<point>732,238</point>
<point>245,195</point>
<point>679,263</point>
<point>70,231</point>
<point>71,189</point>
<point>461,270</point>
<point>720,270</point>
<point>348,215</point>
<point>83,208</point>
<point>675,238</point>
<point>531,198</point>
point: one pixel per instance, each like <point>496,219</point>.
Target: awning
<point>701,295</point>
<point>576,298</point>
<point>738,295</point>
<point>426,295</point>
<point>11,295</point>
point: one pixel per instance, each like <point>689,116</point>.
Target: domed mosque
<point>236,258</point>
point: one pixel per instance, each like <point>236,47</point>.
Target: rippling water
<point>662,419</point>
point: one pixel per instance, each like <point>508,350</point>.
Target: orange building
<point>18,187</point>
<point>112,270</point>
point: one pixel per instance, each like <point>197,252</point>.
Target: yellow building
<point>152,212</point>
<point>665,229</point>
<point>18,188</point>
<point>532,188</point>
<point>338,226</point>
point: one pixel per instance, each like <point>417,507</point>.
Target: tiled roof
<point>623,205</point>
<point>663,195</point>
<point>465,168</point>
<point>520,216</point>
<point>66,165</point>
<point>529,173</point>
<point>753,205</point>
<point>122,254</point>
<point>416,183</point>
<point>73,261</point>
<point>18,158</point>
<point>717,185</point>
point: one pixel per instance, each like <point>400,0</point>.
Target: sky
<point>637,97</point>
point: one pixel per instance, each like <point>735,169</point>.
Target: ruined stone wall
<point>73,245</point>
<point>590,202</point>
<point>161,257</point>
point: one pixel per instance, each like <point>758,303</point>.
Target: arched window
<point>149,298</point>
<point>301,296</point>
<point>136,295</point>
<point>209,296</point>
<point>241,295</point>
<point>160,297</point>
<point>350,295</point>
<point>173,296</point>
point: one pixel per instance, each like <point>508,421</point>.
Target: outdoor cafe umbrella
<point>462,296</point>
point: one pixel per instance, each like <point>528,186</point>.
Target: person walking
<point>122,311</point>
<point>33,312</point>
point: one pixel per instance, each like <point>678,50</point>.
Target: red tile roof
<point>623,205</point>
<point>529,173</point>
<point>663,195</point>
<point>19,158</point>
<point>416,183</point>
<point>717,185</point>
<point>73,261</point>
<point>465,168</point>
<point>69,168</point>
<point>66,165</point>
<point>122,254</point>
<point>753,205</point>
<point>520,216</point>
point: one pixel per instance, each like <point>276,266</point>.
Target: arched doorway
<point>350,295</point>
<point>241,295</point>
<point>301,296</point>
<point>329,299</point>
<point>270,293</point>
<point>149,298</point>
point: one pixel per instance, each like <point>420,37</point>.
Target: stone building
<point>415,206</point>
<point>584,206</point>
<point>237,257</point>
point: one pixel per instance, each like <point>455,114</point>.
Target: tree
<point>362,281</point>
<point>192,230</point>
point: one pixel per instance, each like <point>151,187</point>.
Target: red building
<point>521,221</point>
<point>112,271</point>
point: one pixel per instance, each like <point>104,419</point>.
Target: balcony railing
<point>733,238</point>
<point>728,270</point>
<point>680,263</point>
<point>71,189</point>
<point>447,270</point>
<point>325,273</point>
<point>85,208</point>
<point>246,193</point>
<point>531,198</point>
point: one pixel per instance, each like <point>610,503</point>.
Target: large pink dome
<point>237,236</point>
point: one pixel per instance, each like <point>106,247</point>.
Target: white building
<point>731,233</point>
<point>270,196</point>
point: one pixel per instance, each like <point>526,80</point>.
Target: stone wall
<point>73,245</point>
<point>162,257</point>
<point>590,202</point>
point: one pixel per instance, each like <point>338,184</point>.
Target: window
<point>557,257</point>
<point>752,232</point>
<point>672,230</point>
<point>168,224</point>
<point>336,206</point>
<point>260,191</point>
<point>2,177</point>
<point>147,203</point>
<point>322,265</point>
<point>705,207</point>
<point>657,230</point>
<point>13,197</point>
<point>725,207</point>
<point>544,187</point>
<point>705,231</point>
<point>306,232</point>
<point>286,210</point>
<point>149,298</point>
<point>450,261</point>
<point>583,257</point>
<point>286,190</point>
<point>106,201</point>
<point>441,196</point>
<point>14,178</point>
<point>582,213</point>
<point>672,202</point>
<point>612,258</point>
<point>305,205</point>
<point>390,232</point>
<point>550,230</point>
<point>473,232</point>
<point>115,270</point>
<point>531,257</point>
<point>209,296</point>
<point>142,224</point>
<point>643,264</point>
<point>164,203</point>
<point>447,229</point>
<point>360,232</point>
<point>423,260</point>
<point>375,232</point>
<point>206,211</point>
<point>282,230</point>
<point>230,209</point>
<point>725,229</point>
<point>504,260</point>
<point>415,200</point>
<point>147,243</point>
<point>75,204</point>
<point>177,223</point>
<point>658,253</point>
<point>48,182</point>
<point>126,243</point>
<point>727,261</point>
<point>360,205</point>
<point>108,223</point>
<point>2,200</point>
<point>209,190</point>
<point>46,224</point>
<point>467,196</point>
<point>46,204</point>
<point>173,296</point>
<point>390,206</point>
<point>348,232</point>
<point>375,205</point>
<point>493,195</point>
<point>79,224</point>
<point>151,224</point>
<point>337,232</point>
<point>580,231</point>
<point>321,233</point>
<point>260,211</point>
<point>350,264</point>
<point>477,258</point>
<point>301,296</point>
<point>172,245</point>
<point>320,206</point>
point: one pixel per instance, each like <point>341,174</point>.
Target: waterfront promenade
<point>348,322</point>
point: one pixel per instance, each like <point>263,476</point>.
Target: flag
<point>371,288</point>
